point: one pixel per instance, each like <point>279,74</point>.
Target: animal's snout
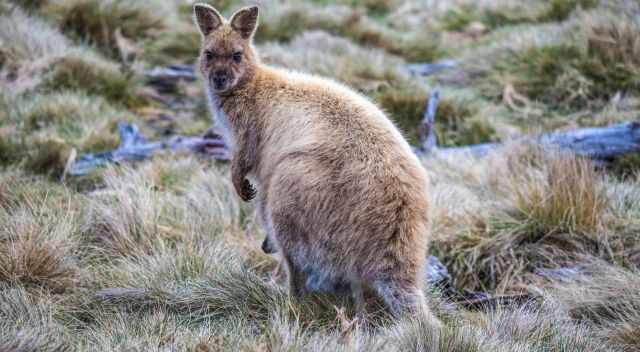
<point>220,79</point>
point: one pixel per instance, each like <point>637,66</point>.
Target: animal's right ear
<point>207,18</point>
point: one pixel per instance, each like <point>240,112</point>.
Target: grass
<point>569,76</point>
<point>162,255</point>
<point>98,21</point>
<point>95,76</point>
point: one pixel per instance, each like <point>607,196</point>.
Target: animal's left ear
<point>245,21</point>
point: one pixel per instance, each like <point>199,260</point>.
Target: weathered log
<point>134,147</point>
<point>426,69</point>
<point>172,72</point>
<point>427,132</point>
<point>166,79</point>
<point>600,143</point>
<point>492,302</point>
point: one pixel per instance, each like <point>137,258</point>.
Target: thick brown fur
<point>341,194</point>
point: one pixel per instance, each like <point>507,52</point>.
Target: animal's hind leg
<point>268,245</point>
<point>295,278</point>
<point>404,298</point>
<point>288,234</point>
<point>357,292</point>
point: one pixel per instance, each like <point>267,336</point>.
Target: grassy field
<point>162,255</point>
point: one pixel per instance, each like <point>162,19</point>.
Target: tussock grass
<point>26,39</point>
<point>11,149</point>
<point>36,243</point>
<point>607,296</point>
<point>292,19</point>
<point>37,55</point>
<point>567,196</point>
<point>50,125</point>
<point>308,52</point>
<point>179,45</point>
<point>541,208</point>
<point>97,21</point>
<point>458,120</point>
<point>132,217</point>
<point>48,156</point>
<point>27,323</point>
<point>88,72</point>
<point>567,77</point>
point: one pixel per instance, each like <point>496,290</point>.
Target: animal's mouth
<point>220,83</point>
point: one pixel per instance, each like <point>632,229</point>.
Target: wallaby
<point>341,194</point>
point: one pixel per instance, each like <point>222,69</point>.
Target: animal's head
<point>227,57</point>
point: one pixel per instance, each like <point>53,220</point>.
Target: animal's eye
<point>237,56</point>
<point>209,55</point>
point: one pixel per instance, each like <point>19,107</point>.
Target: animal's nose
<point>220,79</point>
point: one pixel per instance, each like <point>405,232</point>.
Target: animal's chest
<point>222,123</point>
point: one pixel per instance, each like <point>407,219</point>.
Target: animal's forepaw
<point>247,192</point>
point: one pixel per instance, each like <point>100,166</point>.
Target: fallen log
<point>135,147</point>
<point>600,143</point>
<point>427,69</point>
<point>166,79</point>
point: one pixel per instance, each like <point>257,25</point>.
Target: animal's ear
<point>245,21</point>
<point>207,18</point>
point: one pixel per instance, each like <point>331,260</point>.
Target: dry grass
<point>36,242</point>
<point>161,255</point>
<point>97,21</point>
<point>531,209</point>
<point>330,56</point>
<point>566,195</point>
<point>609,296</point>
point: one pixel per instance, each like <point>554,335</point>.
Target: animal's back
<point>343,174</point>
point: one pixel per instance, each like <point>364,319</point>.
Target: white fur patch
<point>220,120</point>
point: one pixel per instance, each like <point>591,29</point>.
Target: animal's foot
<point>247,191</point>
